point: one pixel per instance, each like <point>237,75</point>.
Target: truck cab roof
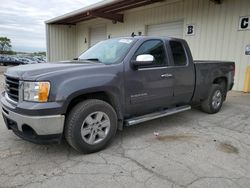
<point>154,37</point>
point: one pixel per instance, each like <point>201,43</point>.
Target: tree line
<point>6,47</point>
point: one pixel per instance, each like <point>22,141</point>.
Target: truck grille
<point>11,87</point>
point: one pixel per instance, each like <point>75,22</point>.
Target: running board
<point>156,115</point>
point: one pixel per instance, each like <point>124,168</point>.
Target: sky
<point>23,20</point>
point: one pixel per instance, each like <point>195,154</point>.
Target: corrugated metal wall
<point>135,20</point>
<point>216,36</point>
<point>61,42</point>
<point>83,36</point>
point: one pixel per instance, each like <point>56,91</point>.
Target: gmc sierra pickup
<point>117,82</point>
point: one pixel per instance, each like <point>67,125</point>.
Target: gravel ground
<point>193,149</point>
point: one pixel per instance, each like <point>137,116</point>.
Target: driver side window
<point>154,48</point>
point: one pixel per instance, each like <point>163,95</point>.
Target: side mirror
<point>144,59</point>
<point>76,58</point>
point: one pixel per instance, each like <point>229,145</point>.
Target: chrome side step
<point>156,115</point>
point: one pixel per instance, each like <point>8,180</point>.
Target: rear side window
<point>154,48</point>
<point>178,53</point>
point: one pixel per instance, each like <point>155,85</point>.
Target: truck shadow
<point>169,129</point>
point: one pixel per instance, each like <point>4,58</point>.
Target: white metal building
<point>214,29</point>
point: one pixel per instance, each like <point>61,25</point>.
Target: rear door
<point>184,72</point>
<point>149,88</point>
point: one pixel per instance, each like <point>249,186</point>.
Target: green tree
<point>39,53</point>
<point>5,44</point>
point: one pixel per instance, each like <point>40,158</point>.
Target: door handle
<point>167,75</point>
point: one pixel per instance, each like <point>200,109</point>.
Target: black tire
<point>207,105</point>
<point>224,87</point>
<point>78,115</point>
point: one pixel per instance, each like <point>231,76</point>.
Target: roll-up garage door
<point>172,29</point>
<point>97,34</point>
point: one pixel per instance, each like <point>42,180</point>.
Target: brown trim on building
<point>108,11</point>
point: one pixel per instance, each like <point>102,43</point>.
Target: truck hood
<point>34,71</point>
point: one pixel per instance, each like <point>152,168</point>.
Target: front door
<point>149,88</point>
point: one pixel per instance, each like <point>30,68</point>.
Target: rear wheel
<point>90,126</point>
<point>214,101</point>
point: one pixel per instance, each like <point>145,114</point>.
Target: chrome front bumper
<point>42,125</point>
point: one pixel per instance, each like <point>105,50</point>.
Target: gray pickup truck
<point>117,82</point>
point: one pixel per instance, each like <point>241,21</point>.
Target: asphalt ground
<point>193,149</point>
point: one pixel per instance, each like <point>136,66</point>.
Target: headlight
<point>36,91</point>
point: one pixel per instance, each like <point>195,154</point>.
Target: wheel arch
<point>220,80</point>
<point>101,95</point>
<point>223,82</point>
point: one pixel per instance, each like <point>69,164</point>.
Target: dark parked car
<point>2,59</point>
<point>117,82</point>
<point>26,60</point>
<point>10,61</point>
<point>39,59</point>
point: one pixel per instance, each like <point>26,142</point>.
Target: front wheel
<point>90,125</point>
<point>214,101</point>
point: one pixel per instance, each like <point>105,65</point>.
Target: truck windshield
<point>109,51</point>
